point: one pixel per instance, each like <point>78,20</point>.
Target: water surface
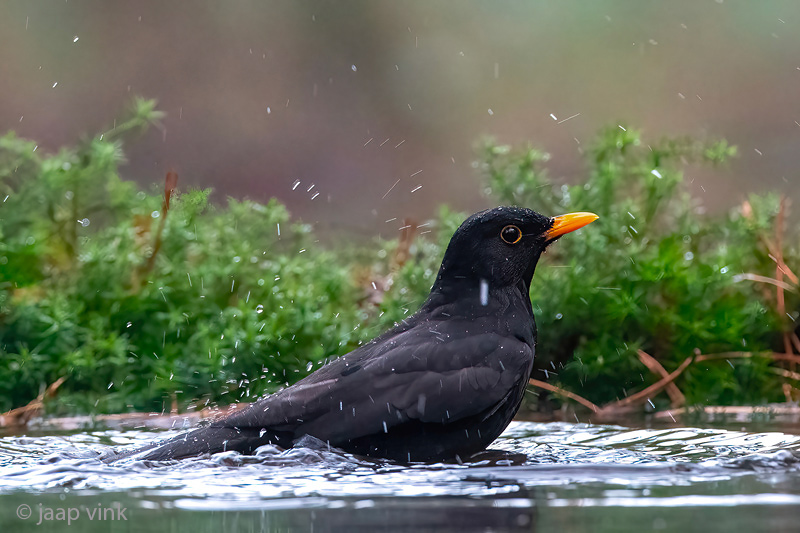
<point>539,477</point>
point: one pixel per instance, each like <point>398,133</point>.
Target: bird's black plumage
<point>442,384</point>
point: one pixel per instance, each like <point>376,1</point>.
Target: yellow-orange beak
<point>570,222</point>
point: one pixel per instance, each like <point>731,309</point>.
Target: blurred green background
<point>332,126</point>
<point>354,96</point>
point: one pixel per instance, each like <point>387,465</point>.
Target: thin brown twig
<point>786,271</point>
<point>764,279</point>
<point>20,416</point>
<point>652,390</point>
<point>730,355</point>
<point>668,379</point>
<point>675,395</point>
<point>775,356</point>
<point>170,183</point>
<point>779,272</point>
<point>776,250</point>
<point>561,392</point>
<point>795,342</point>
<point>786,373</point>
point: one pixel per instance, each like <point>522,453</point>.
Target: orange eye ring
<point>511,234</point>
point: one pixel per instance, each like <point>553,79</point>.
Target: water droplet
<point>353,68</point>
<point>309,366</point>
<point>688,256</point>
<point>155,214</point>
<point>75,39</point>
<point>559,316</point>
<point>236,259</point>
<point>84,222</point>
<point>259,309</point>
<point>723,270</point>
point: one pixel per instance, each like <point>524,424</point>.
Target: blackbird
<point>440,385</point>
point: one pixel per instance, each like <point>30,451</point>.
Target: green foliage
<point>141,306</point>
<point>653,273</point>
<point>240,299</point>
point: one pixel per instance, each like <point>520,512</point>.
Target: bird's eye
<point>511,234</point>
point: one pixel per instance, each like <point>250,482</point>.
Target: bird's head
<point>500,247</point>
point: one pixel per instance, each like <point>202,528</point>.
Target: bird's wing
<point>374,388</point>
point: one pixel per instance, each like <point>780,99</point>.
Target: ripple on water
<point>553,455</point>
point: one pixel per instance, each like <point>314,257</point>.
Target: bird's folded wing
<point>431,382</point>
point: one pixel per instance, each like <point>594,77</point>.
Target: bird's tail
<point>211,439</point>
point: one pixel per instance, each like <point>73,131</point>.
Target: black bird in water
<point>441,385</point>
